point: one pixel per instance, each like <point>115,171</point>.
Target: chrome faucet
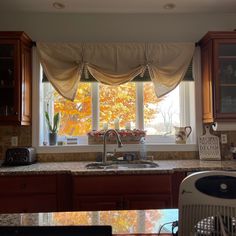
<point>119,143</point>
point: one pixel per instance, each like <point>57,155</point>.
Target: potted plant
<point>53,128</point>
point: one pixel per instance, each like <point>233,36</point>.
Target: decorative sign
<point>209,146</point>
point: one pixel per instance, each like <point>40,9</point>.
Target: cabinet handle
<point>16,113</point>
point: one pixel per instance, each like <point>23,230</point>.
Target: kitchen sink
<point>131,166</point>
<point>122,165</point>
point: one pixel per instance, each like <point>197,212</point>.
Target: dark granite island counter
<point>132,222</point>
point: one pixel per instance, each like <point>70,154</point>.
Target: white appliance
<point>207,204</point>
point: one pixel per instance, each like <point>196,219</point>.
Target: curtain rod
<point>34,44</point>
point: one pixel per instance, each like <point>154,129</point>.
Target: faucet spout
<point>118,139</point>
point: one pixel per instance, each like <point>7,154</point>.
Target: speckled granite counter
<point>122,222</point>
<point>78,168</point>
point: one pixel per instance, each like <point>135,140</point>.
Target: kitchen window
<point>99,105</point>
<point>135,103</point>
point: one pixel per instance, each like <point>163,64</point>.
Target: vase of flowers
<point>52,127</point>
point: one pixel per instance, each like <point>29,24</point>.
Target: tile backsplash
<point>24,139</point>
<point>7,132</point>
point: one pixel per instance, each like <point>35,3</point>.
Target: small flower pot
<point>52,137</point>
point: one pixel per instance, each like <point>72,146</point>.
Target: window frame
<point>151,144</point>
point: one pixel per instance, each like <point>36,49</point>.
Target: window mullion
<point>95,106</point>
<point>184,104</point>
<point>139,106</point>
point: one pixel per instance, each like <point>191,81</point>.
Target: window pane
<point>160,115</point>
<point>76,116</point>
<point>117,102</point>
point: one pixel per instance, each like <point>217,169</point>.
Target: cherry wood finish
<point>212,76</point>
<point>97,202</point>
<point>15,105</point>
<point>28,203</point>
<point>34,193</point>
<point>126,192</point>
<point>147,201</point>
<point>64,192</point>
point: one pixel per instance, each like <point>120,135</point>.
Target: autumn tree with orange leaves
<point>122,221</point>
<point>115,102</point>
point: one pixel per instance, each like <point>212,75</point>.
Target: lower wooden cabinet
<point>28,203</point>
<point>147,201</point>
<point>65,192</point>
<point>131,192</point>
<point>129,202</point>
<point>34,193</point>
<point>96,203</point>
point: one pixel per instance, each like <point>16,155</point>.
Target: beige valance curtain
<point>114,63</point>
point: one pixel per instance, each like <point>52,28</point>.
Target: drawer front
<point>125,184</point>
<point>141,202</point>
<point>28,184</point>
<point>33,203</point>
<point>96,203</point>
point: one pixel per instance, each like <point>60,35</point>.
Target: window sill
<point>126,148</point>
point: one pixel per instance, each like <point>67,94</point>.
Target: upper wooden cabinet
<point>218,56</point>
<point>15,78</point>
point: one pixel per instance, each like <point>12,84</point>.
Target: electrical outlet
<point>14,141</point>
<point>223,138</point>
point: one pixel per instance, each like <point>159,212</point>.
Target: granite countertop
<point>78,168</point>
<point>122,222</point>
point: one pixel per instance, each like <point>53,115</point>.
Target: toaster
<point>20,156</point>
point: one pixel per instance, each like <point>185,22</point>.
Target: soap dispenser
<point>143,152</point>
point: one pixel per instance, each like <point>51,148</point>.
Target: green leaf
<point>53,128</point>
<point>55,122</point>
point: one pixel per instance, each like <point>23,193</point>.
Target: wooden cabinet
<point>147,201</point>
<point>64,192</point>
<point>218,58</point>
<point>97,202</point>
<point>15,78</point>
<point>34,193</point>
<point>126,192</point>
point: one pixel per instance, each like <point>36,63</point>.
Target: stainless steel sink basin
<point>122,165</point>
<point>131,166</point>
<point>96,165</point>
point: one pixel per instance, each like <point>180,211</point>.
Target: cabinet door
<point>147,201</point>
<point>113,192</point>
<point>207,87</point>
<point>15,78</point>
<point>225,78</point>
<point>25,97</point>
<point>95,203</point>
<point>31,193</point>
<point>30,184</point>
<point>28,203</point>
<point>9,83</point>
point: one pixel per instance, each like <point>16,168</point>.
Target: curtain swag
<point>114,63</point>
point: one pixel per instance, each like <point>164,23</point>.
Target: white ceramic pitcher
<point>181,134</point>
